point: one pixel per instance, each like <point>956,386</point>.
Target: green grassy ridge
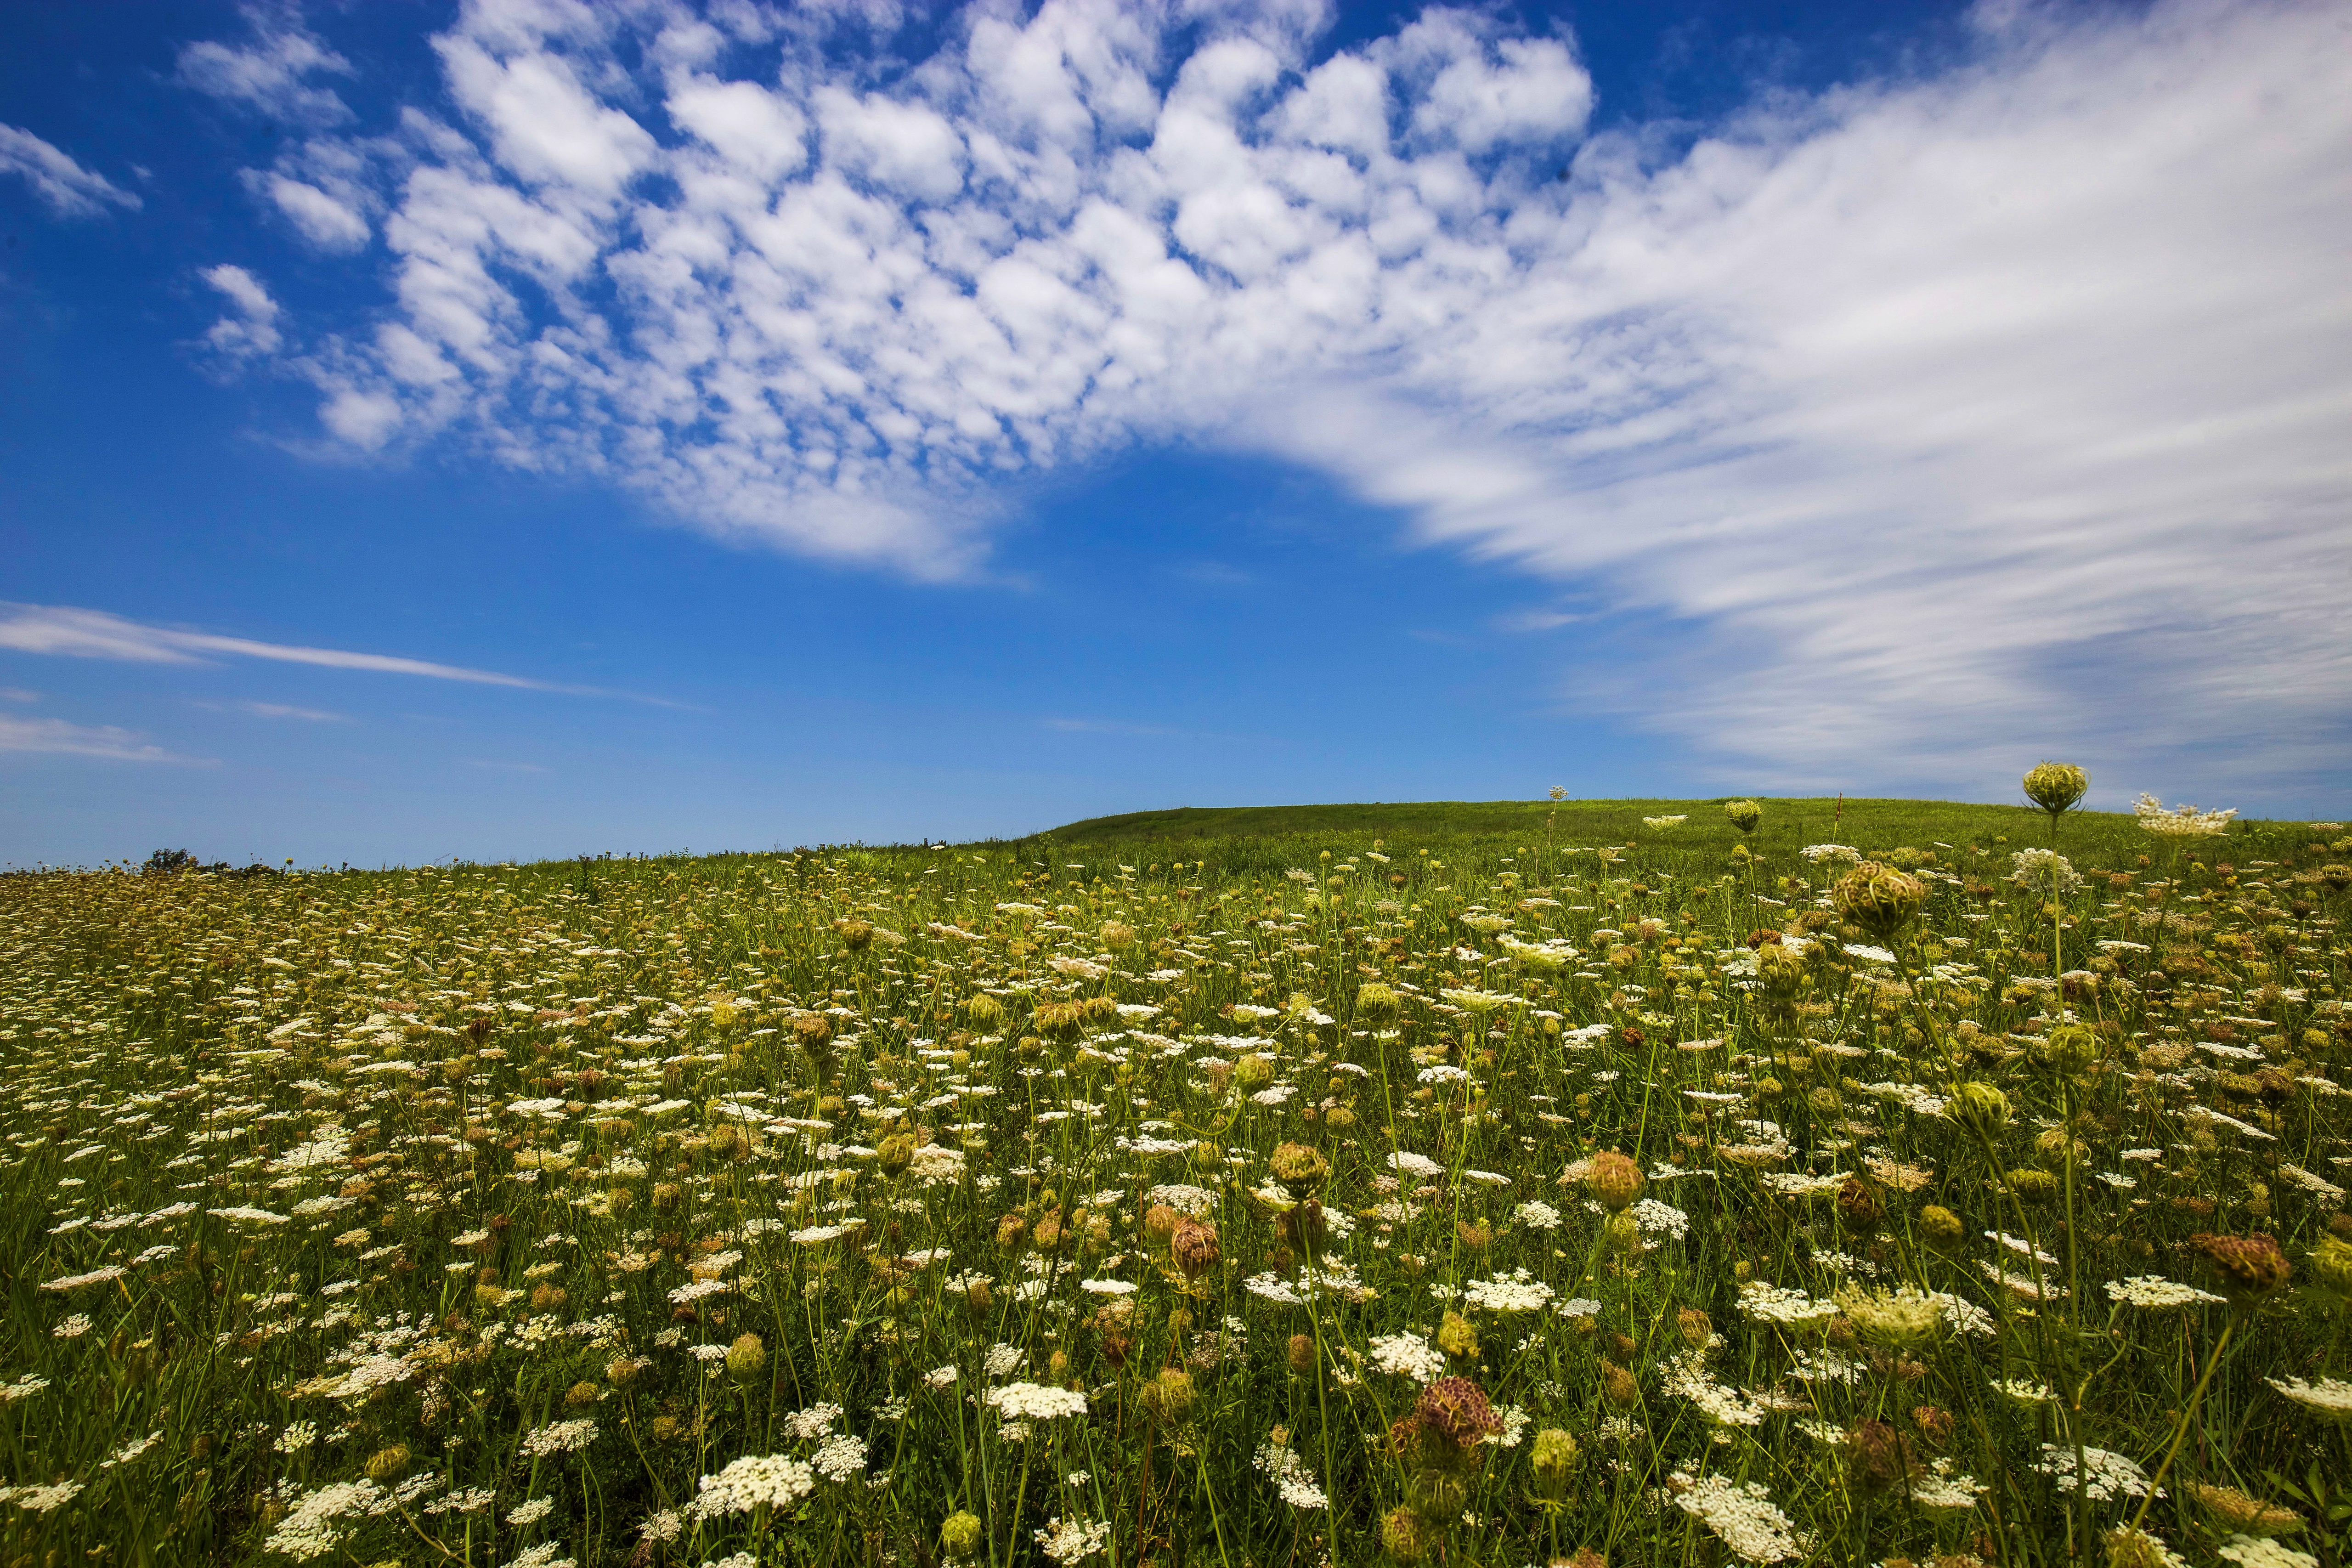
<point>1789,824</point>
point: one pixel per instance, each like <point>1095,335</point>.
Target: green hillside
<point>1789,824</point>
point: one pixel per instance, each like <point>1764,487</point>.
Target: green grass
<point>1273,836</point>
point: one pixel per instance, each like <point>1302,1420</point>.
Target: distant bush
<point>171,862</point>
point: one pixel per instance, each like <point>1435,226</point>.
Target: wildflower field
<point>1693,1194</point>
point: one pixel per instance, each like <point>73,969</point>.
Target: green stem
<point>2180,1428</point>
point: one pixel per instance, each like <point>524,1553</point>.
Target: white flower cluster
<point>1687,1378</point>
<point>2255,1551</point>
<point>2043,871</point>
<point>1656,1219</point>
<point>1036,1401</point>
<point>1515,1292</point>
<point>542,1555</point>
<point>1766,1303</point>
<point>1183,1198</point>
<point>770,1481</point>
<point>2153,1292</point>
<point>2181,821</point>
<point>47,1499</point>
<point>310,1527</point>
<point>840,1457</point>
<point>2105,1475</point>
<point>1073,1539</point>
<point>2328,1397</point>
<point>563,1437</point>
<point>1742,1516</point>
<point>806,1425</point>
<point>1537,1216</point>
<point>1944,1490</point>
<point>1291,1478</point>
<point>1270,1287</point>
<point>1408,1355</point>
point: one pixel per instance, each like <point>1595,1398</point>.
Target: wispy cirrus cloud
<point>66,632</point>
<point>66,187</point>
<point>278,710</point>
<point>56,737</point>
<point>1941,414</point>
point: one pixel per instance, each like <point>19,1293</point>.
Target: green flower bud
<point>1980,1105</point>
<point>2065,1050</point>
<point>959,1535</point>
<point>2055,787</point>
<point>1552,1458</point>
<point>1879,898</point>
<point>1298,1167</point>
<point>1404,1536</point>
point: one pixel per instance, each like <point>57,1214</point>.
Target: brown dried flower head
<point>1456,1409</point>
<point>1193,1248</point>
<point>2249,1267</point>
<point>1882,1460</point>
<point>1616,1181</point>
<point>2245,1515</point>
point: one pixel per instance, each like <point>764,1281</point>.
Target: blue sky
<point>535,427</point>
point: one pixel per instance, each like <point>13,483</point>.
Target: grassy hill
<point>1224,834</point>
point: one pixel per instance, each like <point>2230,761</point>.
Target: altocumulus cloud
<point>2013,391</point>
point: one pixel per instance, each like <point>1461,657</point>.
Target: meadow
<point>1593,1183</point>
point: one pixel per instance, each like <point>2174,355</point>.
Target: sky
<point>523,429</point>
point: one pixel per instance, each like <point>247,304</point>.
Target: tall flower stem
<point>2180,1428</point>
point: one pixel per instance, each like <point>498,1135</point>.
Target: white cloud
<point>271,73</point>
<point>325,221</point>
<point>68,189</point>
<point>757,131</point>
<point>252,329</point>
<point>1998,408</point>
<point>544,124</point>
<point>58,738</point>
<point>66,632</point>
<point>283,710</point>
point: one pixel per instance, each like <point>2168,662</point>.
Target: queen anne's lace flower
<point>2326,1397</point>
<point>1507,1293</point>
<point>1036,1402</point>
<point>1408,1355</point>
<point>1072,1539</point>
<point>563,1437</point>
<point>1743,1516</point>
<point>2258,1552</point>
<point>1291,1478</point>
<point>770,1481</point>
<point>2153,1292</point>
<point>2105,1475</point>
<point>1791,1308</point>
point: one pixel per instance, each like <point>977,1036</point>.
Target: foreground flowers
<point>1501,1202</point>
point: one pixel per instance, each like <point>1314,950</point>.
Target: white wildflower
<point>1743,1516</point>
